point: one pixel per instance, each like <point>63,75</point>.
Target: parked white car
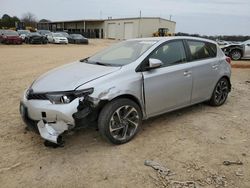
<point>23,33</point>
<point>57,38</point>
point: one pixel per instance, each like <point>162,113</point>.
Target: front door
<point>168,87</point>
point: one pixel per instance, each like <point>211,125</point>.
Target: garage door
<point>111,30</point>
<point>128,30</point>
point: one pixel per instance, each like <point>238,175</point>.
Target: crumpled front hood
<point>70,76</point>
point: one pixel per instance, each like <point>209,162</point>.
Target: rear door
<point>205,69</point>
<point>168,87</point>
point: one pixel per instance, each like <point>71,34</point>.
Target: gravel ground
<point>192,142</point>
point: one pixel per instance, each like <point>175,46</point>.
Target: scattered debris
<point>227,163</point>
<point>9,168</point>
<point>161,169</point>
<point>199,176</point>
<point>185,184</point>
<point>239,172</point>
<point>164,178</point>
<point>244,154</point>
<point>222,137</point>
<point>247,82</point>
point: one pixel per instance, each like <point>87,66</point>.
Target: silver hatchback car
<point>129,82</point>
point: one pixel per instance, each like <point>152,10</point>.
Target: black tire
<point>220,92</point>
<point>127,126</point>
<point>235,55</point>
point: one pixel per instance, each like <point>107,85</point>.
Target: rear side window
<point>202,50</point>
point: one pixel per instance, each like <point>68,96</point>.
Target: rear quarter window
<point>202,50</point>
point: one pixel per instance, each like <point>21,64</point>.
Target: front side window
<point>171,53</point>
<point>202,50</point>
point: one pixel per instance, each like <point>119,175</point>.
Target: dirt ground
<point>192,142</point>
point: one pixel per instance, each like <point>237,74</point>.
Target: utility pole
<point>100,14</point>
<point>140,26</point>
<point>170,17</point>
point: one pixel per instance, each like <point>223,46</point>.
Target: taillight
<point>228,59</point>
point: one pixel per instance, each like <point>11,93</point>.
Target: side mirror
<point>154,63</point>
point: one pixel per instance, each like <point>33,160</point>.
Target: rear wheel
<point>119,121</point>
<point>220,93</point>
<point>235,55</point>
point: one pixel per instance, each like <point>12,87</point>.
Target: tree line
<point>239,38</point>
<point>28,20</point>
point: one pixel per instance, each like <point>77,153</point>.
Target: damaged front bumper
<point>52,120</point>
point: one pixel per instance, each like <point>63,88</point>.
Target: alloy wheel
<point>124,123</point>
<point>221,92</point>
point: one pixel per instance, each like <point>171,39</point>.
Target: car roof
<point>163,39</point>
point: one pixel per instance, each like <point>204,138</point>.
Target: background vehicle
<point>65,34</point>
<point>57,38</point>
<point>2,31</point>
<point>77,39</point>
<point>162,32</point>
<point>23,33</point>
<point>11,37</point>
<point>44,32</point>
<point>126,83</point>
<point>35,38</point>
<point>238,51</point>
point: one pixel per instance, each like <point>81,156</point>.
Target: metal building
<point>124,28</point>
<point>127,28</point>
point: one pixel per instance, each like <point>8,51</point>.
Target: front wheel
<point>220,92</point>
<point>119,121</point>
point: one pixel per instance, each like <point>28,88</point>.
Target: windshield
<point>44,31</point>
<point>57,35</point>
<point>122,53</point>
<point>77,36</point>
<point>35,34</point>
<point>64,34</point>
<point>11,33</point>
<point>23,32</point>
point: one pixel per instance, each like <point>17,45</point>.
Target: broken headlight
<point>68,96</point>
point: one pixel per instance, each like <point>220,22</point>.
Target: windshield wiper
<point>103,64</point>
<point>95,62</point>
<point>84,60</point>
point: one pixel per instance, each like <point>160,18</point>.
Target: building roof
<point>102,20</point>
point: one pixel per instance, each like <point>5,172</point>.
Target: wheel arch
<point>236,49</point>
<point>133,98</point>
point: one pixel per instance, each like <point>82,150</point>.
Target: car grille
<point>37,96</point>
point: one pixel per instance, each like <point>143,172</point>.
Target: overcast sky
<point>209,17</point>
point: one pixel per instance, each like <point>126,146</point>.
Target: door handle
<point>187,73</point>
<point>215,66</point>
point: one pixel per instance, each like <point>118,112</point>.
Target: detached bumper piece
<point>52,132</point>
